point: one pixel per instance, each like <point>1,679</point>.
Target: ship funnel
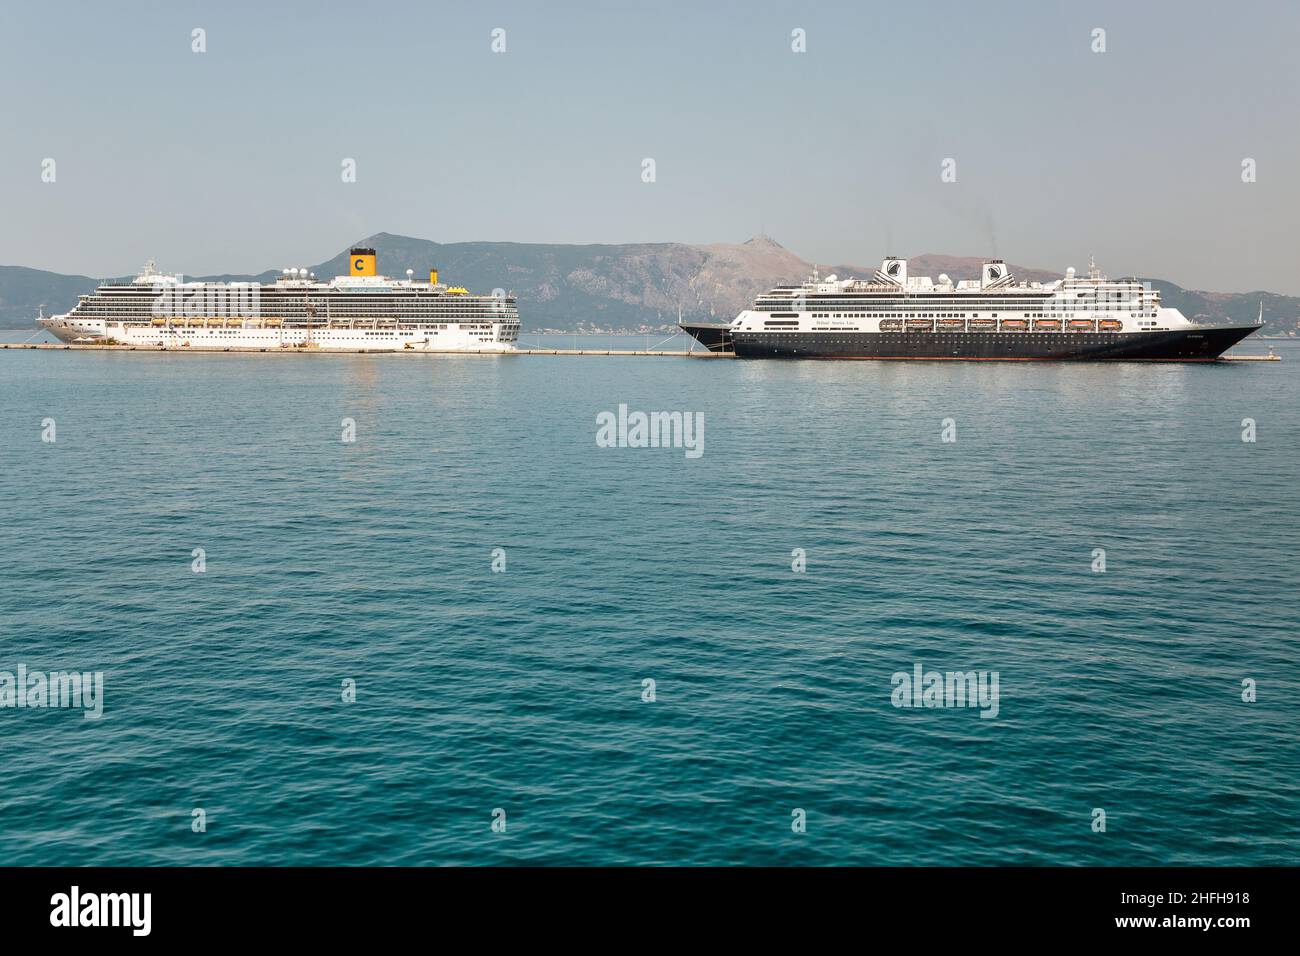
<point>433,275</point>
<point>995,273</point>
<point>893,270</point>
<point>362,262</point>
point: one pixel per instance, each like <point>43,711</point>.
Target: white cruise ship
<point>892,315</point>
<point>362,311</point>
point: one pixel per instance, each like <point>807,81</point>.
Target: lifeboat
<point>891,325</point>
<point>1014,325</point>
<point>158,322</point>
<point>1047,325</point>
<point>984,325</point>
<point>919,325</point>
<point>1111,325</point>
<point>1081,325</point>
<point>952,325</point>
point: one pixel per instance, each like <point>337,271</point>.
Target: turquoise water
<point>371,561</point>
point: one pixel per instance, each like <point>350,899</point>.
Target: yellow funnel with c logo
<point>362,262</point>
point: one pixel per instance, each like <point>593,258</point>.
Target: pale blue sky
<point>230,160</point>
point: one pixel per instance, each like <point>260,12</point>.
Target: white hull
<point>251,335</point>
<point>362,311</point>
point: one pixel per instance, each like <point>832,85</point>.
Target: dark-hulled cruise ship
<point>896,316</point>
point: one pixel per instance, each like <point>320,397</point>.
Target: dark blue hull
<point>1196,345</point>
<point>714,336</point>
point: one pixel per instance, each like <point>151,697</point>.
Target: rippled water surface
<point>370,561</point>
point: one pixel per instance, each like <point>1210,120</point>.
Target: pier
<point>298,350</point>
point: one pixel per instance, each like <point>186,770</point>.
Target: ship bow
<point>714,336</point>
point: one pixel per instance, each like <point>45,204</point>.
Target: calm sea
<point>521,694</point>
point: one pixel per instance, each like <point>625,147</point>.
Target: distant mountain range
<point>632,286</point>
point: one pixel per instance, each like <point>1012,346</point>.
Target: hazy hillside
<point>625,286</point>
<point>23,291</point>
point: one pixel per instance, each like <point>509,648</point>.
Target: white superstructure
<point>360,311</point>
<point>893,301</point>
